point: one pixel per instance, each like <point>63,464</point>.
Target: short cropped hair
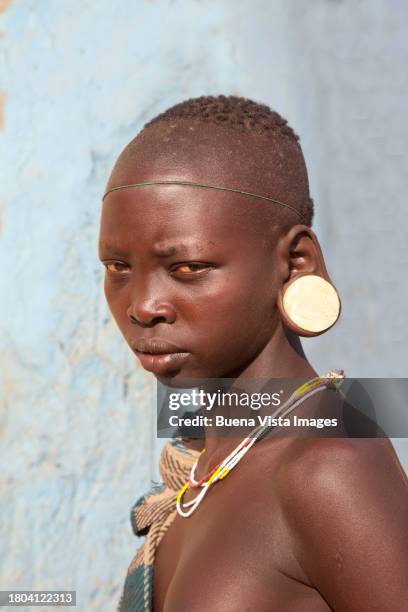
<point>284,157</point>
<point>231,111</point>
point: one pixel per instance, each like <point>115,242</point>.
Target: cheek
<point>243,304</point>
<point>117,302</point>
<point>109,294</point>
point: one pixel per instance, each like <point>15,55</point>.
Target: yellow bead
<point>183,490</point>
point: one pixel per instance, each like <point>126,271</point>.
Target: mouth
<point>159,356</point>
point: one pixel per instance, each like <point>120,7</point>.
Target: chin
<point>181,380</point>
<point>193,378</point>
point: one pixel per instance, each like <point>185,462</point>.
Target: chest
<point>234,547</point>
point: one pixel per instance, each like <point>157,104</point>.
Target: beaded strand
<point>333,379</point>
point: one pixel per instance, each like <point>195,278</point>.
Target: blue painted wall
<point>78,80</point>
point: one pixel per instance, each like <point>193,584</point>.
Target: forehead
<point>160,214</point>
<point>202,153</point>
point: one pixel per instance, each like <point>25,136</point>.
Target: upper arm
<point>346,503</point>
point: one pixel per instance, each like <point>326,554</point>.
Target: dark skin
<point>302,524</point>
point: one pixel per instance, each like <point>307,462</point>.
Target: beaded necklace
<point>333,380</point>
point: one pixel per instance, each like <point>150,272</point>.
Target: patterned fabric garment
<point>151,515</point>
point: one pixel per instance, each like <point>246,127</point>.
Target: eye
<point>116,267</point>
<point>191,269</point>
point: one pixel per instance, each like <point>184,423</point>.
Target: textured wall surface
<point>78,80</point>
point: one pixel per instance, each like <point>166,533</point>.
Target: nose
<point>148,310</point>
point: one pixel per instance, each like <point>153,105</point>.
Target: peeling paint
<point>5,5</point>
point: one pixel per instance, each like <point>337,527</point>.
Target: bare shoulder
<point>345,502</point>
<point>338,461</point>
<point>339,473</point>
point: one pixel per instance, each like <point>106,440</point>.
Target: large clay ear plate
<point>312,304</point>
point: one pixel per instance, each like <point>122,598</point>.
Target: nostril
<point>148,309</point>
<point>149,323</point>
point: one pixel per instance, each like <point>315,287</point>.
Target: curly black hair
<point>232,111</point>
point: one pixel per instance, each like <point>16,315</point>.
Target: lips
<point>155,346</point>
<point>159,356</point>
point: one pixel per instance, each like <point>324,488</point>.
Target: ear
<point>313,305</point>
<point>298,253</point>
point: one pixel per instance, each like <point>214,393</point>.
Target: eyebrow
<point>160,249</point>
<point>112,249</point>
<point>166,249</point>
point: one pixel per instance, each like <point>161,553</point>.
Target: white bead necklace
<point>333,379</point>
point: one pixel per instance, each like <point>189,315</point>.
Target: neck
<point>283,357</point>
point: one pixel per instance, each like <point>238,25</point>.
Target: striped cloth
<point>151,515</point>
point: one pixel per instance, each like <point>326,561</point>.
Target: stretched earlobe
<point>309,305</point>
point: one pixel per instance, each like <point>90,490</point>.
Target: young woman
<point>213,271</point>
